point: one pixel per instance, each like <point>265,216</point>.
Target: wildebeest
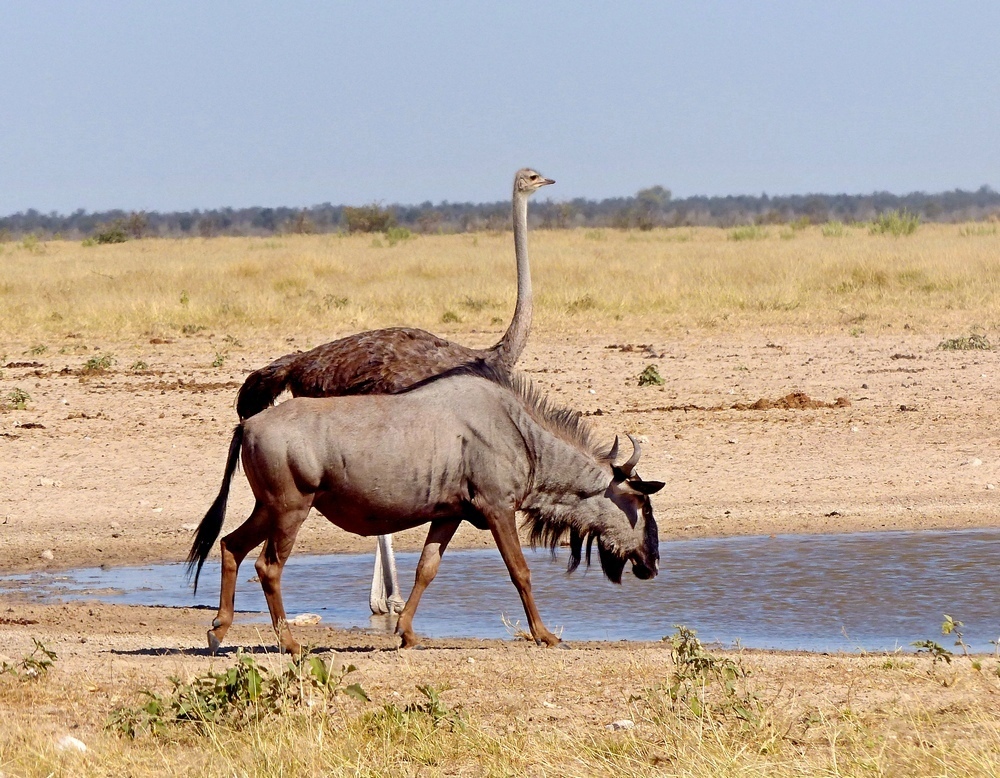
<point>459,447</point>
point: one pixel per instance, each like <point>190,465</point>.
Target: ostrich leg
<point>385,597</point>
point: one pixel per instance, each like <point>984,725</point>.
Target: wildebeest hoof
<point>213,642</point>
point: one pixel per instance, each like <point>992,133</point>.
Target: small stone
<point>991,486</point>
<point>471,661</point>
<point>592,391</point>
<point>47,554</point>
<point>70,743</point>
<point>614,726</point>
<point>975,462</point>
<point>189,527</point>
<point>43,481</point>
<point>305,619</point>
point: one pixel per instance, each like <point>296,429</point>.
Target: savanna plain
<point>820,379</point>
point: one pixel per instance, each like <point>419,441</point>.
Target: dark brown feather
<point>374,362</point>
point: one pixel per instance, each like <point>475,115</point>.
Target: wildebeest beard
<point>545,532</point>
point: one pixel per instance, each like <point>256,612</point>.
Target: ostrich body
<point>389,360</point>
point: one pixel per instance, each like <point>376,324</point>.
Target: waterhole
<point>849,592</point>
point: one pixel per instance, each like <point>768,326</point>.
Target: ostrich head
<point>527,181</point>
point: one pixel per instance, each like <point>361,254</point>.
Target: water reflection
<point>872,591</point>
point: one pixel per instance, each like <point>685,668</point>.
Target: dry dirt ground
<point>118,467</point>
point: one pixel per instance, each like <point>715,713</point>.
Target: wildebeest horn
<point>613,453</point>
<point>629,466</point>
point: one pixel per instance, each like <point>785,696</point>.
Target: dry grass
<point>834,716</point>
<point>328,285</point>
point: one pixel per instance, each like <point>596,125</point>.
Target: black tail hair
<point>211,525</point>
<point>262,387</point>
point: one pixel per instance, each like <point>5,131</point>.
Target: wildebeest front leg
<point>504,529</point>
<point>441,532</point>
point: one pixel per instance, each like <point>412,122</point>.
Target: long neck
<point>512,343</point>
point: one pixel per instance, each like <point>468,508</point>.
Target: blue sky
<point>181,105</point>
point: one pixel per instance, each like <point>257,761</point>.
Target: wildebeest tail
<point>262,387</point>
<point>211,525</point>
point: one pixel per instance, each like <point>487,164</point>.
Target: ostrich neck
<point>514,339</point>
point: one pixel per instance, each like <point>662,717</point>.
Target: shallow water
<point>872,591</point>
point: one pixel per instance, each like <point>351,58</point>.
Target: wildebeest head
<point>630,494</point>
<point>626,531</point>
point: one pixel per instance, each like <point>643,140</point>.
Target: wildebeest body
<point>461,448</point>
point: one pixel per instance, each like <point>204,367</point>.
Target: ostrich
<point>389,360</point>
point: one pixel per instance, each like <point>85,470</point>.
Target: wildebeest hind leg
<point>441,532</point>
<point>269,565</point>
<point>234,547</point>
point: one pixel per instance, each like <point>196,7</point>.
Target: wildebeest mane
<point>543,531</point>
<point>564,423</point>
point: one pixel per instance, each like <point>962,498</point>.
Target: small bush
<point>748,232</point>
<point>696,671</point>
<point>98,364</point>
<point>650,377</point>
<point>396,235</point>
<point>243,694</point>
<point>833,230</point>
<point>898,223</point>
<point>31,244</point>
<point>17,400</point>
<point>34,665</point>
<point>116,232</point>
<point>450,317</point>
<point>971,342</point>
<point>582,304</point>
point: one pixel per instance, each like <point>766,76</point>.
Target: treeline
<point>648,208</point>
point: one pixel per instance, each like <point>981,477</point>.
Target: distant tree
<point>136,224</point>
<point>655,198</point>
<point>116,232</point>
<point>369,218</point>
<point>300,224</point>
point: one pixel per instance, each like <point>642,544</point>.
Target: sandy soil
<point>119,467</point>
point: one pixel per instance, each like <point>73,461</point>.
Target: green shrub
<point>98,364</point>
<point>650,377</point>
<point>34,665</point>
<point>396,235</point>
<point>971,342</point>
<point>833,230</point>
<point>898,223</point>
<point>17,400</point>
<point>244,693</point>
<point>116,232</point>
<point>748,232</point>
